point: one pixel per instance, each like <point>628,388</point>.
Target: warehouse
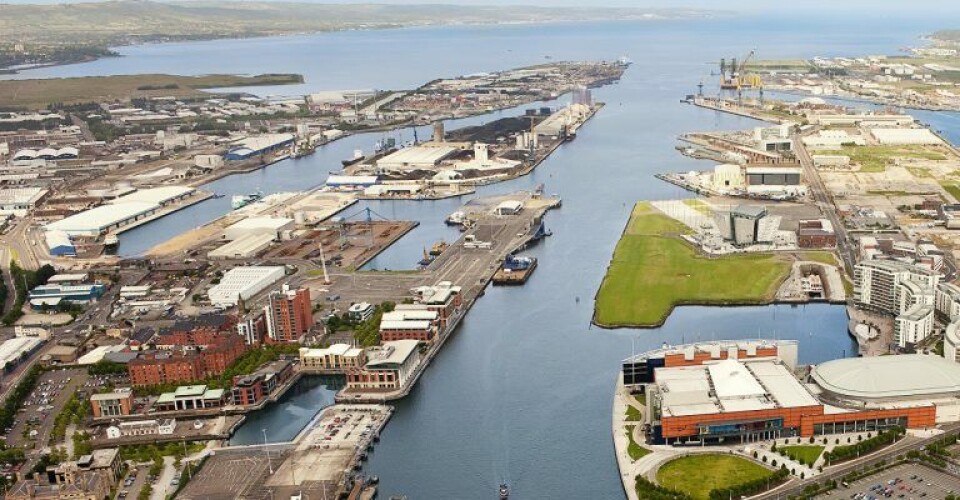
<point>768,180</point>
<point>243,282</point>
<point>59,244</point>
<point>52,295</point>
<point>351,181</point>
<point>254,146</point>
<point>120,212</point>
<point>19,201</point>
<point>425,157</point>
<point>17,349</point>
<point>258,226</point>
<point>905,136</point>
<point>244,247</point>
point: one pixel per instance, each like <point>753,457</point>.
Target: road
<point>905,445</point>
<point>824,202</point>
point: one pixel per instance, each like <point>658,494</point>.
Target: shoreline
<point>649,17</point>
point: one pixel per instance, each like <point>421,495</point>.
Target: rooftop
<point>906,375</point>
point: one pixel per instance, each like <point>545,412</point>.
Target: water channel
<point>523,390</point>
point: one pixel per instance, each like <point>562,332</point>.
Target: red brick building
<point>189,354</point>
<point>289,314</point>
<point>816,233</point>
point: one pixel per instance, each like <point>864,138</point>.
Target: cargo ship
<point>515,270</point>
<point>241,200</point>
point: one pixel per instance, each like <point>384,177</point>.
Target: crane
<point>738,77</point>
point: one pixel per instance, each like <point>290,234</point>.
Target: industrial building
<point>258,226</point>
<point>20,200</point>
<point>121,212</point>
<point>243,282</point>
<point>243,247</point>
<point>259,145</point>
<point>52,295</point>
<point>905,136</point>
<point>816,233</point>
<point>738,391</point>
<point>727,177</point>
<point>774,180</point>
<point>59,243</point>
<point>16,350</point>
<point>351,182</point>
<point>422,157</point>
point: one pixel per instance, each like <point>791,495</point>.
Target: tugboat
<point>438,248</point>
<point>241,200</point>
<point>504,491</point>
<point>426,260</point>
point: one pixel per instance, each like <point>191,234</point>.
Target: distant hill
<point>947,35</point>
<point>132,21</point>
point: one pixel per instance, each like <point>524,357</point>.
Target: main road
<point>824,201</point>
<point>905,445</point>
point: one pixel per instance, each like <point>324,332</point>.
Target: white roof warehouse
<point>120,212</point>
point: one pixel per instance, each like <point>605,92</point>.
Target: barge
<point>515,270</point>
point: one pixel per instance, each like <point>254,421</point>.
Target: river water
<point>523,391</point>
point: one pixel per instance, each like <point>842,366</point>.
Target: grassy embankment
<point>635,451</point>
<point>653,270</point>
<point>805,454</point>
<point>698,475</point>
<point>874,159</point>
<point>31,94</point>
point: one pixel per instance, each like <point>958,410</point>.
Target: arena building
<point>745,391</point>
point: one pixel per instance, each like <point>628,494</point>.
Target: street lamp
<point>267,450</point>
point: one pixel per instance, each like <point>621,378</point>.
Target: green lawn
<point>635,451</point>
<point>698,205</point>
<point>820,256</point>
<point>876,158</point>
<point>654,270</point>
<point>952,188</point>
<point>633,414</point>
<point>805,454</point>
<point>641,398</point>
<point>697,475</point>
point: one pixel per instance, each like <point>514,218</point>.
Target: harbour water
<point>522,392</point>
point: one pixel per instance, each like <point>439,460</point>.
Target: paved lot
<point>34,420</point>
<point>139,480</point>
<point>915,482</point>
<point>229,475</point>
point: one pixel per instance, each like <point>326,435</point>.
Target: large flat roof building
<point>243,282</point>
<point>120,212</point>
<point>720,392</point>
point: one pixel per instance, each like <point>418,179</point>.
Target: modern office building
<point>389,367</point>
<point>112,404</point>
<point>337,357</point>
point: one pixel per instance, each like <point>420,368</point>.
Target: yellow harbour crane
<point>735,76</point>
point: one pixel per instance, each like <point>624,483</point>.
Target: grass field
<point>805,454</point>
<point>40,93</point>
<point>635,451</point>
<point>633,414</point>
<point>697,475</point>
<point>820,256</point>
<point>876,158</point>
<point>953,188</point>
<point>653,270</point>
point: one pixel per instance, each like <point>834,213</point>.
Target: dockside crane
<point>735,77</point>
